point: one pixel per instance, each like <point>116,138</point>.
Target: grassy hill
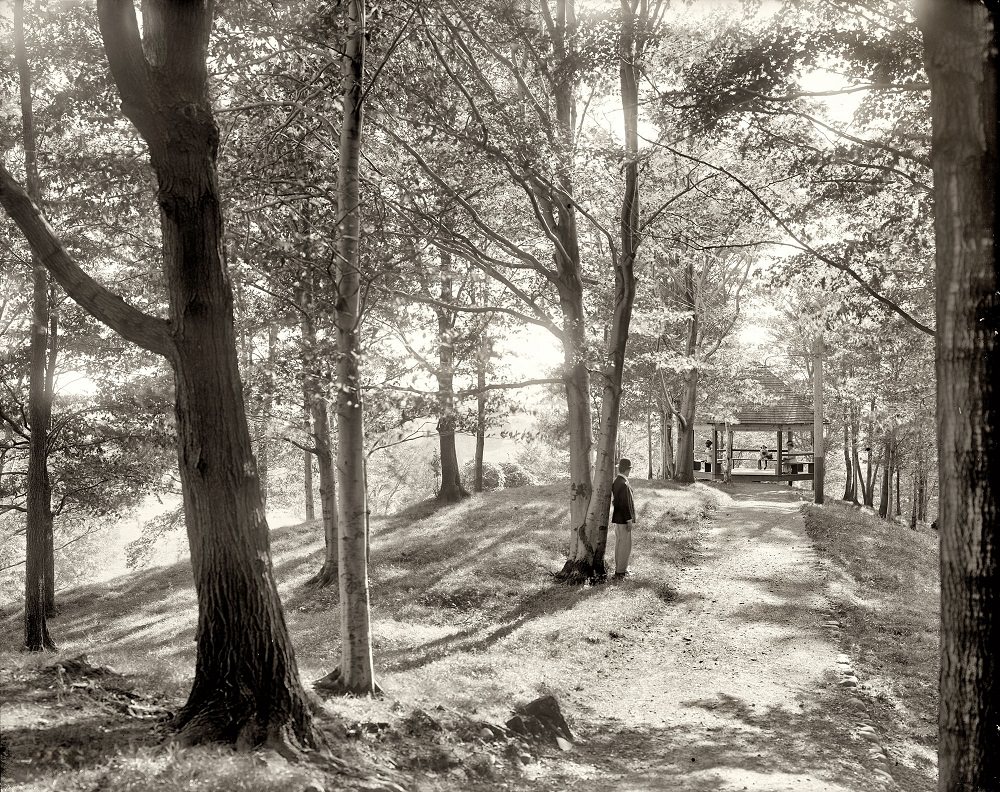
<point>467,623</point>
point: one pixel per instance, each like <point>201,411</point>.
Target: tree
<point>961,49</point>
<point>246,688</point>
<point>356,671</point>
<point>39,565</point>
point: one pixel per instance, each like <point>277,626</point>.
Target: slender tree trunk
<point>319,415</point>
<point>684,470</point>
<point>883,504</point>
<point>356,671</point>
<point>39,565</point>
<point>819,440</point>
<point>307,456</point>
<point>913,501</point>
<point>848,468</point>
<point>624,297</point>
<point>666,445</point>
<point>855,430</point>
<point>961,53</point>
<point>481,360</point>
<point>451,490</point>
<point>246,688</point>
<point>266,409</point>
<point>899,506</point>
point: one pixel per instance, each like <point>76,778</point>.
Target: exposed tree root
<point>327,576</point>
<point>234,723</point>
<point>333,685</point>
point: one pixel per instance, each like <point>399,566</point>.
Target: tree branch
<point>132,324</point>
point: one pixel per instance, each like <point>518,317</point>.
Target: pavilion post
<point>715,451</point>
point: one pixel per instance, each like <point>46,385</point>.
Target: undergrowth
<point>467,621</point>
<point>886,594</point>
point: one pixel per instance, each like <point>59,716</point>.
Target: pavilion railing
<point>792,462</point>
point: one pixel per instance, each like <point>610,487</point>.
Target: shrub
<point>514,475</point>
<point>493,476</point>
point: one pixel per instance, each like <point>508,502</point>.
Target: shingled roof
<point>773,402</point>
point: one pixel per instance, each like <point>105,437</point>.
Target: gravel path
<point>738,686</point>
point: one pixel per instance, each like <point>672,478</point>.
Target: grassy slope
<point>886,596</point>
<point>467,623</point>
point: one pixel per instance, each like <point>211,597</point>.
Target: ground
<point>745,651</point>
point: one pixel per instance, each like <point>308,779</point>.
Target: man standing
<point>622,516</point>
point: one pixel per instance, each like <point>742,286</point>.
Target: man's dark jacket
<point>622,507</point>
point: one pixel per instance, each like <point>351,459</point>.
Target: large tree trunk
<point>246,688</point>
<point>961,52</point>
<point>39,565</point>
<point>624,297</point>
<point>451,490</point>
<point>356,672</point>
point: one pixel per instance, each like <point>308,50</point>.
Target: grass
<point>886,594</point>
<point>467,622</point>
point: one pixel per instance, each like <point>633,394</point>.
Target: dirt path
<point>740,685</point>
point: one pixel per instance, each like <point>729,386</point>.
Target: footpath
<point>742,684</point>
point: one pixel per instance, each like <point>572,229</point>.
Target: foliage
<point>494,476</point>
<point>514,475</point>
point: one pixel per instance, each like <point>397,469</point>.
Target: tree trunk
<point>266,408</point>
<point>624,297</point>
<point>307,456</point>
<point>855,430</point>
<point>883,504</point>
<point>451,490</point>
<point>356,671</point>
<point>899,506</point>
<point>868,496</point>
<point>961,53</point>
<point>322,442</point>
<point>246,688</point>
<point>39,565</point>
<point>848,468</point>
<point>684,470</point>
<point>819,440</point>
<point>481,361</point>
<point>318,416</point>
<point>666,445</point>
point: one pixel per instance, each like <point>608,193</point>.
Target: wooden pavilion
<point>775,409</point>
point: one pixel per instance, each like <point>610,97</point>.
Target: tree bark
<point>961,57</point>
<point>356,671</point>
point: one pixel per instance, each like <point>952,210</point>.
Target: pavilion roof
<point>774,403</point>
